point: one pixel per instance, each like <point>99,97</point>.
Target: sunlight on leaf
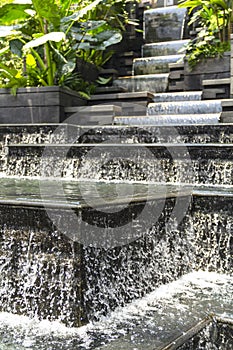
<point>53,36</point>
<point>30,61</point>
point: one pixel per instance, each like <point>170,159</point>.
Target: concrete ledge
<point>216,88</point>
<point>123,96</point>
<point>216,81</point>
<point>176,65</point>
<point>227,111</point>
<point>132,103</point>
<point>108,90</point>
<point>94,109</point>
<point>93,115</point>
<point>37,105</point>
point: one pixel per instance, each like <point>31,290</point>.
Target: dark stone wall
<point>47,275</point>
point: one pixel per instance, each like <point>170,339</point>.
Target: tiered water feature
<point>117,237</point>
<point>177,108</point>
<point>163,35</point>
<point>74,272</point>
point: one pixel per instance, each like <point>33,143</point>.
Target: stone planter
<point>211,68</point>
<point>37,105</point>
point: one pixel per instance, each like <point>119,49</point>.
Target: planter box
<point>37,105</point>
<point>211,68</point>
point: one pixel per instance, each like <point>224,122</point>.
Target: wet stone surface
<point>164,24</point>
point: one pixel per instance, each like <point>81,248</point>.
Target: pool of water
<point>149,323</point>
<point>24,190</point>
<point>74,193</point>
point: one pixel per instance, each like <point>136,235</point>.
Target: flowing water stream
<point>151,322</point>
<point>130,279</point>
<point>148,276</point>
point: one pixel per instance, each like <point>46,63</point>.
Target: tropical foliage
<point>42,39</point>
<point>214,19</point>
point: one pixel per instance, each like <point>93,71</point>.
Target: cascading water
<point>63,281</point>
<point>151,322</point>
<point>163,34</point>
<point>201,164</point>
<point>164,24</point>
<point>129,273</point>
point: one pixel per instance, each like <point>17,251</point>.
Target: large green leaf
<point>88,30</point>
<point>9,72</point>
<point>5,2</point>
<point>80,13</point>
<point>13,13</point>
<point>92,25</point>
<point>69,67</point>
<point>5,31</point>
<point>109,37</point>
<point>65,7</point>
<point>102,41</point>
<point>84,46</point>
<point>84,37</point>
<point>16,47</point>
<point>4,50</point>
<point>47,10</point>
<point>219,3</point>
<point>53,36</point>
<point>190,3</point>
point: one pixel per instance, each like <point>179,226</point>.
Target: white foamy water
<point>151,321</point>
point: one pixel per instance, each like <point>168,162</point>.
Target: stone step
<point>163,48</point>
<point>164,24</point>
<point>169,119</point>
<point>178,96</point>
<point>185,107</point>
<point>216,88</point>
<point>108,90</point>
<point>102,114</point>
<point>37,133</point>
<point>210,164</point>
<point>65,133</point>
<point>131,103</point>
<point>190,133</point>
<point>157,64</point>
<point>150,82</point>
<point>227,111</point>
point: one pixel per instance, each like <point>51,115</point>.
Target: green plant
<point>45,37</point>
<point>214,18</point>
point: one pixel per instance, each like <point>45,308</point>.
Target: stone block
<point>205,70</point>
<point>37,105</point>
<point>93,115</point>
<point>131,103</point>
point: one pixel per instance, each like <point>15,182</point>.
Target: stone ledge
<point>176,65</point>
<point>123,96</point>
<point>93,115</point>
<point>227,103</point>
<point>222,81</point>
<point>94,109</point>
